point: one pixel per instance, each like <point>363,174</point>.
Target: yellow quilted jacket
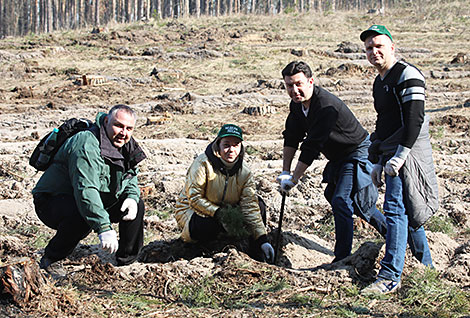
<point>203,192</point>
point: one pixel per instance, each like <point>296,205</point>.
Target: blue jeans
<point>397,233</point>
<point>342,206</point>
<point>416,238</point>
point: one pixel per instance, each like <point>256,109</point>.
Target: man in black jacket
<point>324,124</point>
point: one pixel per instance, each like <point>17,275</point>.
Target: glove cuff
<point>104,228</point>
<point>402,152</point>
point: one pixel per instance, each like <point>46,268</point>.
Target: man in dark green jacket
<point>92,183</point>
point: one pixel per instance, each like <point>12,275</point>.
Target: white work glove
<point>268,252</point>
<point>287,185</point>
<point>284,175</point>
<point>131,206</point>
<point>109,241</point>
<point>376,175</point>
<point>396,162</point>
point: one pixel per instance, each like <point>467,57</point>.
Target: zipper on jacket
<point>225,187</point>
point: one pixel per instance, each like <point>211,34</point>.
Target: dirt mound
<point>12,247</point>
<point>347,69</point>
<point>458,271</point>
<point>302,251</point>
<point>456,123</point>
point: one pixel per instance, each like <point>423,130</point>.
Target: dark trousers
<point>60,213</point>
<point>205,229</point>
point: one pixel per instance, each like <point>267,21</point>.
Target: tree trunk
<point>382,7</point>
<point>198,8</point>
<point>43,15</point>
<point>186,9</point>
<point>80,13</point>
<point>134,10</point>
<point>2,19</point>
<point>229,7</point>
<point>67,13</point>
<point>21,279</point>
<point>112,16</point>
<point>61,14</point>
<point>127,11</point>
<point>159,9</point>
<point>97,13</point>
<point>73,13</point>
<point>147,9</point>
<point>23,26</point>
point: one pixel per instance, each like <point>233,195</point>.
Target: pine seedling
<point>233,221</point>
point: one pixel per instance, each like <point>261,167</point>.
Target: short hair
<point>121,107</point>
<point>296,67</point>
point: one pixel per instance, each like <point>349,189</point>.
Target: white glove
<point>131,206</point>
<point>376,175</point>
<point>396,162</point>
<point>109,241</point>
<point>287,184</point>
<point>268,252</point>
<point>284,175</point>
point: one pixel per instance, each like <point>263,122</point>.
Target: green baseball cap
<point>375,29</point>
<point>230,130</point>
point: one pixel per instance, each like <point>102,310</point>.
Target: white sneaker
<point>381,286</point>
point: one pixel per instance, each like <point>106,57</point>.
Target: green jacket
<point>95,172</point>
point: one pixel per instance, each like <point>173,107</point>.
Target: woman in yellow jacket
<point>218,183</point>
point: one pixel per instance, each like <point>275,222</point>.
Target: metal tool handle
<point>279,228</point>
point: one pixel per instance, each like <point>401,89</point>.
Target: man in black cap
<point>401,148</point>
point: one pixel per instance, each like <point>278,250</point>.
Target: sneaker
<point>381,287</point>
<point>54,269</point>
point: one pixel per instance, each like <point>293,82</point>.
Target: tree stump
<point>21,279</point>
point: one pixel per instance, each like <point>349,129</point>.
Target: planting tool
<point>279,227</point>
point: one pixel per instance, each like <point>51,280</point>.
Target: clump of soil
<point>456,123</point>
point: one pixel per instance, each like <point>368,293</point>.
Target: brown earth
<point>185,79</point>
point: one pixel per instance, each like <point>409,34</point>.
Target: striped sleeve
<point>411,91</point>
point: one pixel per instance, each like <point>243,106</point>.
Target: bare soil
<point>185,79</point>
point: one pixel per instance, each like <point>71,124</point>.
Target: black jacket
<point>330,128</point>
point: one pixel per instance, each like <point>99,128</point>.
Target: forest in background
<point>21,17</point>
